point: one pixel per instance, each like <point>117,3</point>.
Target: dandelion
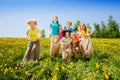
<point>97,71</point>
<point>27,73</point>
<point>1,55</point>
<point>1,66</point>
<point>5,71</point>
<point>56,67</point>
<point>63,68</point>
<point>106,76</point>
<point>10,68</point>
<point>97,65</point>
<point>15,67</point>
<point>54,78</point>
<point>5,64</point>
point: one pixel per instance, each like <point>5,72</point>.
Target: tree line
<point>111,29</point>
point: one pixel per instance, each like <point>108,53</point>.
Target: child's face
<point>32,25</point>
<point>67,35</point>
<point>68,25</point>
<point>73,36</point>
<point>83,27</point>
<point>55,19</point>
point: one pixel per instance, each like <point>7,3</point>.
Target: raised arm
<point>91,32</point>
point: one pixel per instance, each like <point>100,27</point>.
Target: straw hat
<point>32,20</point>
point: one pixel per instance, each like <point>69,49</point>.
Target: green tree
<point>43,33</point>
<point>104,30</point>
<point>76,25</point>
<point>88,26</point>
<point>96,33</point>
<point>113,28</point>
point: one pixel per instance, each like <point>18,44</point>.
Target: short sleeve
<point>72,30</point>
<point>50,25</point>
<point>88,30</point>
<point>27,31</point>
<point>59,25</point>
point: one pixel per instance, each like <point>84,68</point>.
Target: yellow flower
<point>10,68</point>
<point>5,71</point>
<point>97,65</point>
<point>97,71</point>
<point>15,67</point>
<point>5,64</point>
<point>54,78</point>
<point>1,66</point>
<point>27,73</point>
<point>106,76</point>
<point>56,67</point>
<point>63,68</point>
<point>1,55</point>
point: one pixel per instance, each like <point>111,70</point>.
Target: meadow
<point>104,64</point>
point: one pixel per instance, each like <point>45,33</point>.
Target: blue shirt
<point>55,28</point>
<point>71,29</point>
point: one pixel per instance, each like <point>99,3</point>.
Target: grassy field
<point>104,65</point>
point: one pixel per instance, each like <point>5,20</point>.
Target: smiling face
<point>83,26</point>
<point>67,34</point>
<point>68,24</point>
<point>32,24</point>
<point>55,19</point>
<point>73,36</point>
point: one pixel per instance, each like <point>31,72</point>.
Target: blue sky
<point>15,13</point>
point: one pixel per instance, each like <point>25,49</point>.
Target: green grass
<point>104,64</point>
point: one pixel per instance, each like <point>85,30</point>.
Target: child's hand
<point>87,35</point>
<point>29,39</point>
<point>58,43</point>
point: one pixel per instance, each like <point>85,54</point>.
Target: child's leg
<point>63,54</point>
<point>28,51</point>
<point>36,51</point>
<point>51,45</point>
<point>54,48</point>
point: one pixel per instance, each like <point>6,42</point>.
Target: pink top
<point>60,35</point>
<point>78,35</point>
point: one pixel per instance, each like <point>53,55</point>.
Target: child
<point>84,31</point>
<point>65,45</point>
<point>34,42</point>
<point>75,44</point>
<point>54,28</point>
<point>86,43</point>
<point>68,27</point>
<point>79,37</point>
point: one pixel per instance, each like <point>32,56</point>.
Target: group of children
<point>67,40</point>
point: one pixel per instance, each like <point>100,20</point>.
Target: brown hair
<point>83,25</point>
<point>69,22</point>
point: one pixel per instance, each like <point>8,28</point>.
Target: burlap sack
<point>87,49</point>
<point>54,48</point>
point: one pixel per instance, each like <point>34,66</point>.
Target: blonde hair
<point>32,20</point>
<point>84,26</point>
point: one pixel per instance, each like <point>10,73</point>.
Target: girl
<point>33,49</point>
<point>65,46</point>
<point>86,43</point>
<point>75,44</point>
<point>61,33</point>
<point>54,31</point>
